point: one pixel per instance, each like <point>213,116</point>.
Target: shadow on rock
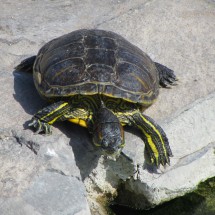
<point>85,153</point>
<point>26,93</point>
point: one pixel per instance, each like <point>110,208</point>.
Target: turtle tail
<point>26,65</point>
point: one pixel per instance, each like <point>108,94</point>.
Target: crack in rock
<point>139,6</point>
<point>16,41</point>
<point>194,156</point>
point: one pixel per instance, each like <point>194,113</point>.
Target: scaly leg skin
<point>166,75</point>
<point>42,120</point>
<point>155,139</point>
<point>59,111</point>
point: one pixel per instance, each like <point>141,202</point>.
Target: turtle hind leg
<point>166,75</point>
<point>26,65</point>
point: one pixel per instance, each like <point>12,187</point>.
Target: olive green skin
<point>91,62</point>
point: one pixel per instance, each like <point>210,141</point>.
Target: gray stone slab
<point>53,193</point>
<point>50,193</point>
<point>39,179</point>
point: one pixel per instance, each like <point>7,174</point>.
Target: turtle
<point>99,80</point>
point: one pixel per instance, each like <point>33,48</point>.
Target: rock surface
<point>45,175</point>
<point>39,176</point>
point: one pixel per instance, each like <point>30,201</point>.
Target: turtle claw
<point>166,75</point>
<point>168,79</point>
<point>39,126</point>
<point>161,160</point>
<point>164,83</point>
<point>164,160</point>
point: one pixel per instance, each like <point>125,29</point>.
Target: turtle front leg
<point>155,139</point>
<point>42,120</point>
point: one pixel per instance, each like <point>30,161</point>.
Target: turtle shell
<point>90,62</point>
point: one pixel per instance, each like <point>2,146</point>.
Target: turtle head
<point>108,132</point>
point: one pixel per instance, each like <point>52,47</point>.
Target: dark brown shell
<point>89,62</point>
